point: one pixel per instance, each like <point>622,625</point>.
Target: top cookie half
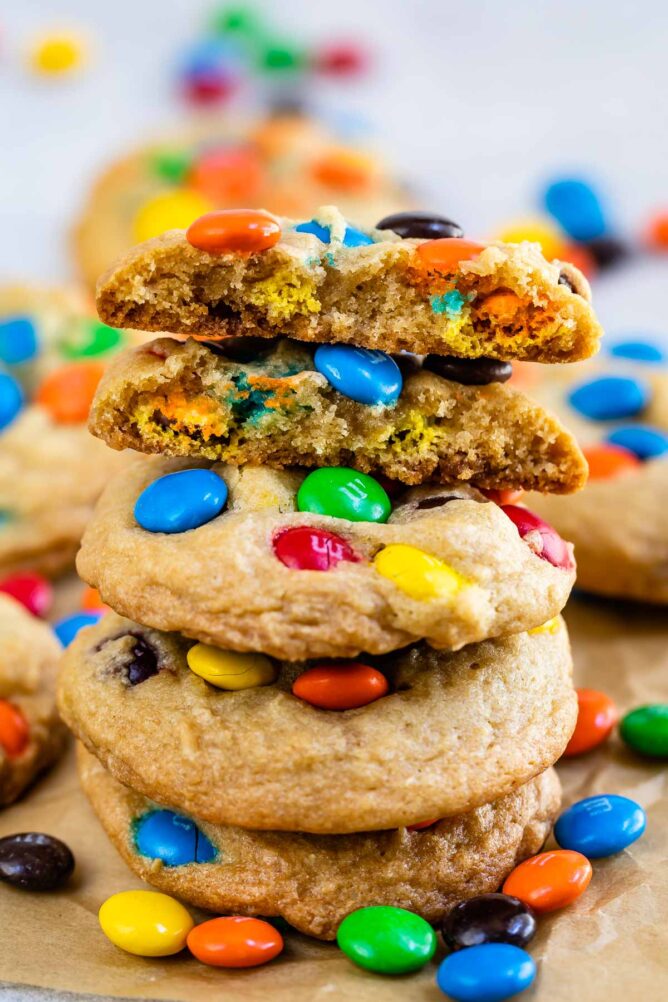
<point>324,280</point>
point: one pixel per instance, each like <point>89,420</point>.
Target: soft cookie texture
<point>273,406</point>
<point>29,654</point>
<point>504,301</point>
<point>314,881</point>
<point>455,731</point>
<point>223,582</point>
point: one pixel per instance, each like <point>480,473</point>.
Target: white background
<point>476,102</point>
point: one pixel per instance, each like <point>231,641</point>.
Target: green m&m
<point>91,338</point>
<point>387,940</point>
<point>646,730</point>
<point>344,493</point>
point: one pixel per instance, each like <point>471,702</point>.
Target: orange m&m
<point>445,253</point>
<point>347,170</point>
<point>340,687</point>
<point>242,230</point>
<point>68,392</point>
<point>91,600</point>
<point>503,495</point>
<point>607,461</point>
<point>597,715</point>
<point>550,880</point>
<point>227,175</point>
<point>14,729</point>
<point>235,941</point>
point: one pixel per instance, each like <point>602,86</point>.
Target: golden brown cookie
<point>314,881</point>
<point>449,297</point>
<point>454,731</point>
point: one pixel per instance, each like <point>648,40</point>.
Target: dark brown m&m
<point>469,371</point>
<point>420,225</point>
<point>144,662</point>
<point>489,918</point>
<point>34,861</point>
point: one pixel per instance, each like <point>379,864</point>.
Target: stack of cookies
<point>336,675</point>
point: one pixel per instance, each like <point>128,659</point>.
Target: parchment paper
<point>612,945</point>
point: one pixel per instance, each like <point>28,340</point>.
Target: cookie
<point>31,733</point>
<point>249,401</point>
<point>371,289</point>
<point>314,881</point>
<point>52,470</point>
<point>454,730</point>
<point>448,566</point>
<point>286,162</point>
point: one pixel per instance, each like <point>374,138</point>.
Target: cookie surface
<point>455,731</point>
<point>273,406</point>
<point>314,881</point>
<point>461,572</point>
<point>498,300</point>
<point>31,732</point>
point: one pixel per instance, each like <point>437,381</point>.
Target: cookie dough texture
<point>314,881</point>
<point>191,399</point>
<point>509,300</point>
<point>223,584</point>
<point>456,731</point>
<point>29,655</point>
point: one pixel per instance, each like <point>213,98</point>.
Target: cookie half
<point>448,297</point>
<point>453,732</point>
<point>314,881</point>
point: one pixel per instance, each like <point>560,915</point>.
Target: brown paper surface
<point>611,945</point>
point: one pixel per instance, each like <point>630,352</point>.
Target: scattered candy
<point>171,210</point>
<point>607,461</point>
<point>340,686</point>
<point>144,663</point>
<point>610,397</point>
<point>487,973</point>
<point>550,880</point>
<point>91,339</point>
<point>57,54</point>
<point>32,590</point>
<point>576,207</point>
<point>18,340</point>
<point>67,392</point>
<point>33,861</point>
<point>231,669</point>
<point>235,941</point>
<point>657,231</point>
<point>341,59</point>
<point>146,923</point>
<point>489,918</point>
<point>171,165</point>
<point>646,442</point>
<point>638,351</point>
<point>11,399</point>
<point>66,629</point>
<point>607,251</point>
<point>367,376</point>
<point>307,549</point>
<point>14,730</point>
<point>536,231</point>
<point>228,175</point>
<point>420,225</point>
<point>542,539</point>
<point>343,493</point>
<point>597,715</point>
<point>172,838</point>
<point>387,940</point>
<point>600,826</point>
<point>181,501</point>
<point>469,371</point>
<point>417,573</point>
<point>347,170</point>
<point>241,230</point>
<point>645,729</point>
<point>445,254</point>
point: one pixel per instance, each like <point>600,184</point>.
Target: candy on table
<point>367,376</point>
<point>67,392</point>
<point>608,398</point>
<point>645,730</point>
<point>11,399</point>
<point>58,53</point>
<point>305,548</point>
<point>489,918</point>
<point>597,716</point>
<point>600,826</point>
<point>341,58</point>
<point>235,941</point>
<point>146,923</point>
<point>18,340</point>
<point>170,210</point>
<point>418,574</point>
<point>420,225</point>
<point>33,861</point>
<point>340,686</point>
<point>550,880</point>
<point>67,628</point>
<point>32,590</point>
<point>387,940</point>
<point>240,230</point>
<point>231,670</point>
<point>490,972</point>
<point>172,838</point>
<point>545,542</point>
<point>343,493</point>
<point>643,440</point>
<point>181,501</point>
<point>14,730</point>
<point>607,461</point>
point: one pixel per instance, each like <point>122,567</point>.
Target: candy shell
<point>171,165</point>
<point>536,231</point>
<point>638,351</point>
<point>445,254</point>
<point>600,826</point>
<point>57,54</point>
<point>489,918</point>
<point>339,59</point>
<point>387,940</point>
<point>67,392</point>
<point>181,501</point>
<point>33,861</point>
<point>14,729</point>
<point>231,670</point>
<point>597,715</point>
<point>418,574</point>
<point>91,600</point>
<point>305,548</point>
<point>67,628</point>
<point>343,493</point>
<point>18,340</point>
<point>487,973</point>
<point>11,399</point>
<point>93,338</point>
<point>576,207</point>
<point>657,231</point>
<point>550,880</point>
<point>170,210</point>
<point>234,230</point>
<point>235,941</point>
<point>172,838</point>
<point>644,441</point>
<point>420,225</point>
<point>146,923</point>
<point>340,686</point>
<point>367,376</point>
<point>227,175</point>
<point>607,461</point>
<point>351,238</point>
<point>345,170</point>
<point>33,591</point>
<point>645,729</point>
<point>545,542</point>
<point>610,398</point>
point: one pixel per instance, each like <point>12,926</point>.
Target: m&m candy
<point>610,398</point>
<point>241,230</point>
<point>607,461</point>
<point>67,392</point>
<point>489,918</point>
<point>91,338</point>
<point>422,225</point>
<point>352,237</point>
<point>91,600</point>
<point>446,253</point>
<point>367,376</point>
<point>597,715</point>
<point>576,207</point>
<point>600,826</point>
<point>57,54</point>
<point>340,686</point>
<point>174,839</point>
<point>487,973</point>
<point>34,861</point>
<point>386,940</point>
<point>14,729</point>
<point>18,340</point>
<point>32,590</point>
<point>11,399</point>
<point>645,729</point>
<point>638,351</point>
<point>545,542</point>
<point>646,442</point>
<point>66,629</point>
<point>418,574</point>
<point>146,923</point>
<point>227,175</point>
<point>550,880</point>
<point>170,210</point>
<point>230,669</point>
<point>235,941</point>
<point>181,501</point>
<point>345,169</point>
<point>304,548</point>
<point>343,493</point>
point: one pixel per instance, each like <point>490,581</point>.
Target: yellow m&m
<point>230,669</point>
<point>146,923</point>
<point>171,210</point>
<point>417,573</point>
<point>57,54</point>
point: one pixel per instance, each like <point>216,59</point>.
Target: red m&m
<point>227,175</point>
<point>308,549</point>
<point>340,687</point>
<point>241,230</point>
<point>14,729</point>
<point>545,542</point>
<point>235,941</point>
<point>31,590</point>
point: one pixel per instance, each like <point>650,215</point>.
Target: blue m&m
<point>367,376</point>
<point>576,207</point>
<point>638,351</point>
<point>11,399</point>
<point>18,340</point>
<point>66,629</point>
<point>610,397</point>
<point>351,238</point>
<point>181,501</point>
<point>600,826</point>
<point>173,838</point>
<point>487,973</point>
<point>643,440</point>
